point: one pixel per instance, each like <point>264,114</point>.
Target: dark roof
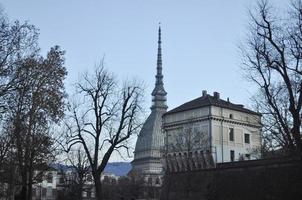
<point>208,100</point>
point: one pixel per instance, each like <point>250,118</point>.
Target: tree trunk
<point>296,133</point>
<point>98,187</point>
<point>23,192</point>
<point>29,185</point>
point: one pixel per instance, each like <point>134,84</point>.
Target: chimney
<point>216,95</point>
<point>204,93</point>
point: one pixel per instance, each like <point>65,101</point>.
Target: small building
<point>209,130</point>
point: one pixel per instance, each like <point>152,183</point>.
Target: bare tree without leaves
<point>73,183</point>
<point>185,144</point>
<point>105,121</point>
<point>272,59</point>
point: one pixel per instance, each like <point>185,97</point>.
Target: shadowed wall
<point>248,180</point>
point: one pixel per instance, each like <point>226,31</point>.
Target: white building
<point>55,181</point>
<point>210,128</point>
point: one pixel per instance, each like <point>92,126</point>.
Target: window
<point>231,116</point>
<point>43,192</point>
<point>231,134</point>
<point>49,192</point>
<point>61,180</point>
<point>89,177</point>
<point>150,180</point>
<point>247,138</point>
<point>232,155</point>
<point>49,178</point>
<point>157,181</point>
<point>88,193</point>
<point>34,192</point>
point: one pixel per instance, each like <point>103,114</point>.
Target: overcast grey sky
<point>200,40</point>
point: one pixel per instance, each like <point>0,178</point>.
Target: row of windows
<point>247,139</point>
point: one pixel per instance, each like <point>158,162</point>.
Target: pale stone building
<point>209,130</point>
<point>150,142</point>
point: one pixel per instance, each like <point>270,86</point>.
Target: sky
<point>200,40</point>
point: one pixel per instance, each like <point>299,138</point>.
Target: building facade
<point>209,130</point>
<point>150,142</point>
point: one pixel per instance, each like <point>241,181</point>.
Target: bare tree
<point>74,175</point>
<point>187,149</point>
<point>106,119</point>
<point>272,59</point>
<point>80,165</point>
<point>187,142</point>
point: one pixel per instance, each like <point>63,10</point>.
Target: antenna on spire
<point>159,33</point>
<point>159,93</point>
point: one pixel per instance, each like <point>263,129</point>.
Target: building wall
<point>186,115</point>
<point>208,128</point>
<point>242,123</point>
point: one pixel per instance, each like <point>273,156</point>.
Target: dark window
<point>231,116</point>
<point>89,177</point>
<point>247,138</point>
<point>157,181</point>
<point>43,192</point>
<point>88,193</point>
<point>49,191</point>
<point>231,134</point>
<point>61,180</point>
<point>34,192</point>
<point>232,155</point>
<point>49,178</point>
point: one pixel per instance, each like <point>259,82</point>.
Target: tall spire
<point>159,93</point>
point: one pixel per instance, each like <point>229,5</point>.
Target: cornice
<point>178,124</point>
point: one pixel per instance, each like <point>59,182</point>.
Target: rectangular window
<point>43,192</point>
<point>49,192</point>
<point>84,194</point>
<point>34,192</point>
<point>247,138</point>
<point>232,155</point>
<point>61,180</point>
<point>231,134</point>
<point>49,177</point>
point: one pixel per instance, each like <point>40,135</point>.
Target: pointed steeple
<point>159,94</point>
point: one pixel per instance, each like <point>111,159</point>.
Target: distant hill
<point>118,168</point>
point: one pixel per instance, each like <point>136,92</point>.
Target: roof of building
<point>208,100</point>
